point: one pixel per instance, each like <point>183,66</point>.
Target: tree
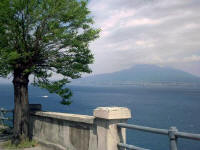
<point>41,38</point>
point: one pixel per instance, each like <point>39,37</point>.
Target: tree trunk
<point>21,110</point>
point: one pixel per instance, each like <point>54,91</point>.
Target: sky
<point>160,32</point>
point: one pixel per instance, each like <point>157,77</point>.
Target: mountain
<point>141,74</point>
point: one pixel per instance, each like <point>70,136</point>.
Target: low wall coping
<point>112,113</point>
<point>66,116</point>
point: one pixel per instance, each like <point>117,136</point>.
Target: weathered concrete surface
<point>66,116</point>
<point>108,133</point>
<point>67,131</point>
<point>112,113</point>
<point>62,131</point>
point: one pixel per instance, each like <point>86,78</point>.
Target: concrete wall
<point>63,131</point>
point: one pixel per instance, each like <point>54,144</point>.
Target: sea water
<point>158,107</point>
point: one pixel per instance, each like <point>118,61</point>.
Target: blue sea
<point>156,106</point>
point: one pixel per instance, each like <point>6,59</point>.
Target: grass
<point>7,131</point>
<point>24,144</point>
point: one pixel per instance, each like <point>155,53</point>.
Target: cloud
<point>193,58</point>
<point>145,31</point>
<point>140,22</point>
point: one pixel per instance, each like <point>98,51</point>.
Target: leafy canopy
<point>46,37</point>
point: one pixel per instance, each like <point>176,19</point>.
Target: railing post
<point>173,138</point>
<point>106,120</point>
<point>1,115</point>
<point>13,115</point>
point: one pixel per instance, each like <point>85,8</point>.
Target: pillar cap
<point>112,113</point>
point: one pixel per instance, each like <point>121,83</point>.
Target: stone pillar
<point>106,119</point>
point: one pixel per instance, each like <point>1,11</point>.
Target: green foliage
<point>23,144</point>
<point>46,37</point>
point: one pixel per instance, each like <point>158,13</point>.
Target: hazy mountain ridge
<point>142,74</point>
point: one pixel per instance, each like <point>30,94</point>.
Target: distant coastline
<point>143,75</point>
<point>141,84</point>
